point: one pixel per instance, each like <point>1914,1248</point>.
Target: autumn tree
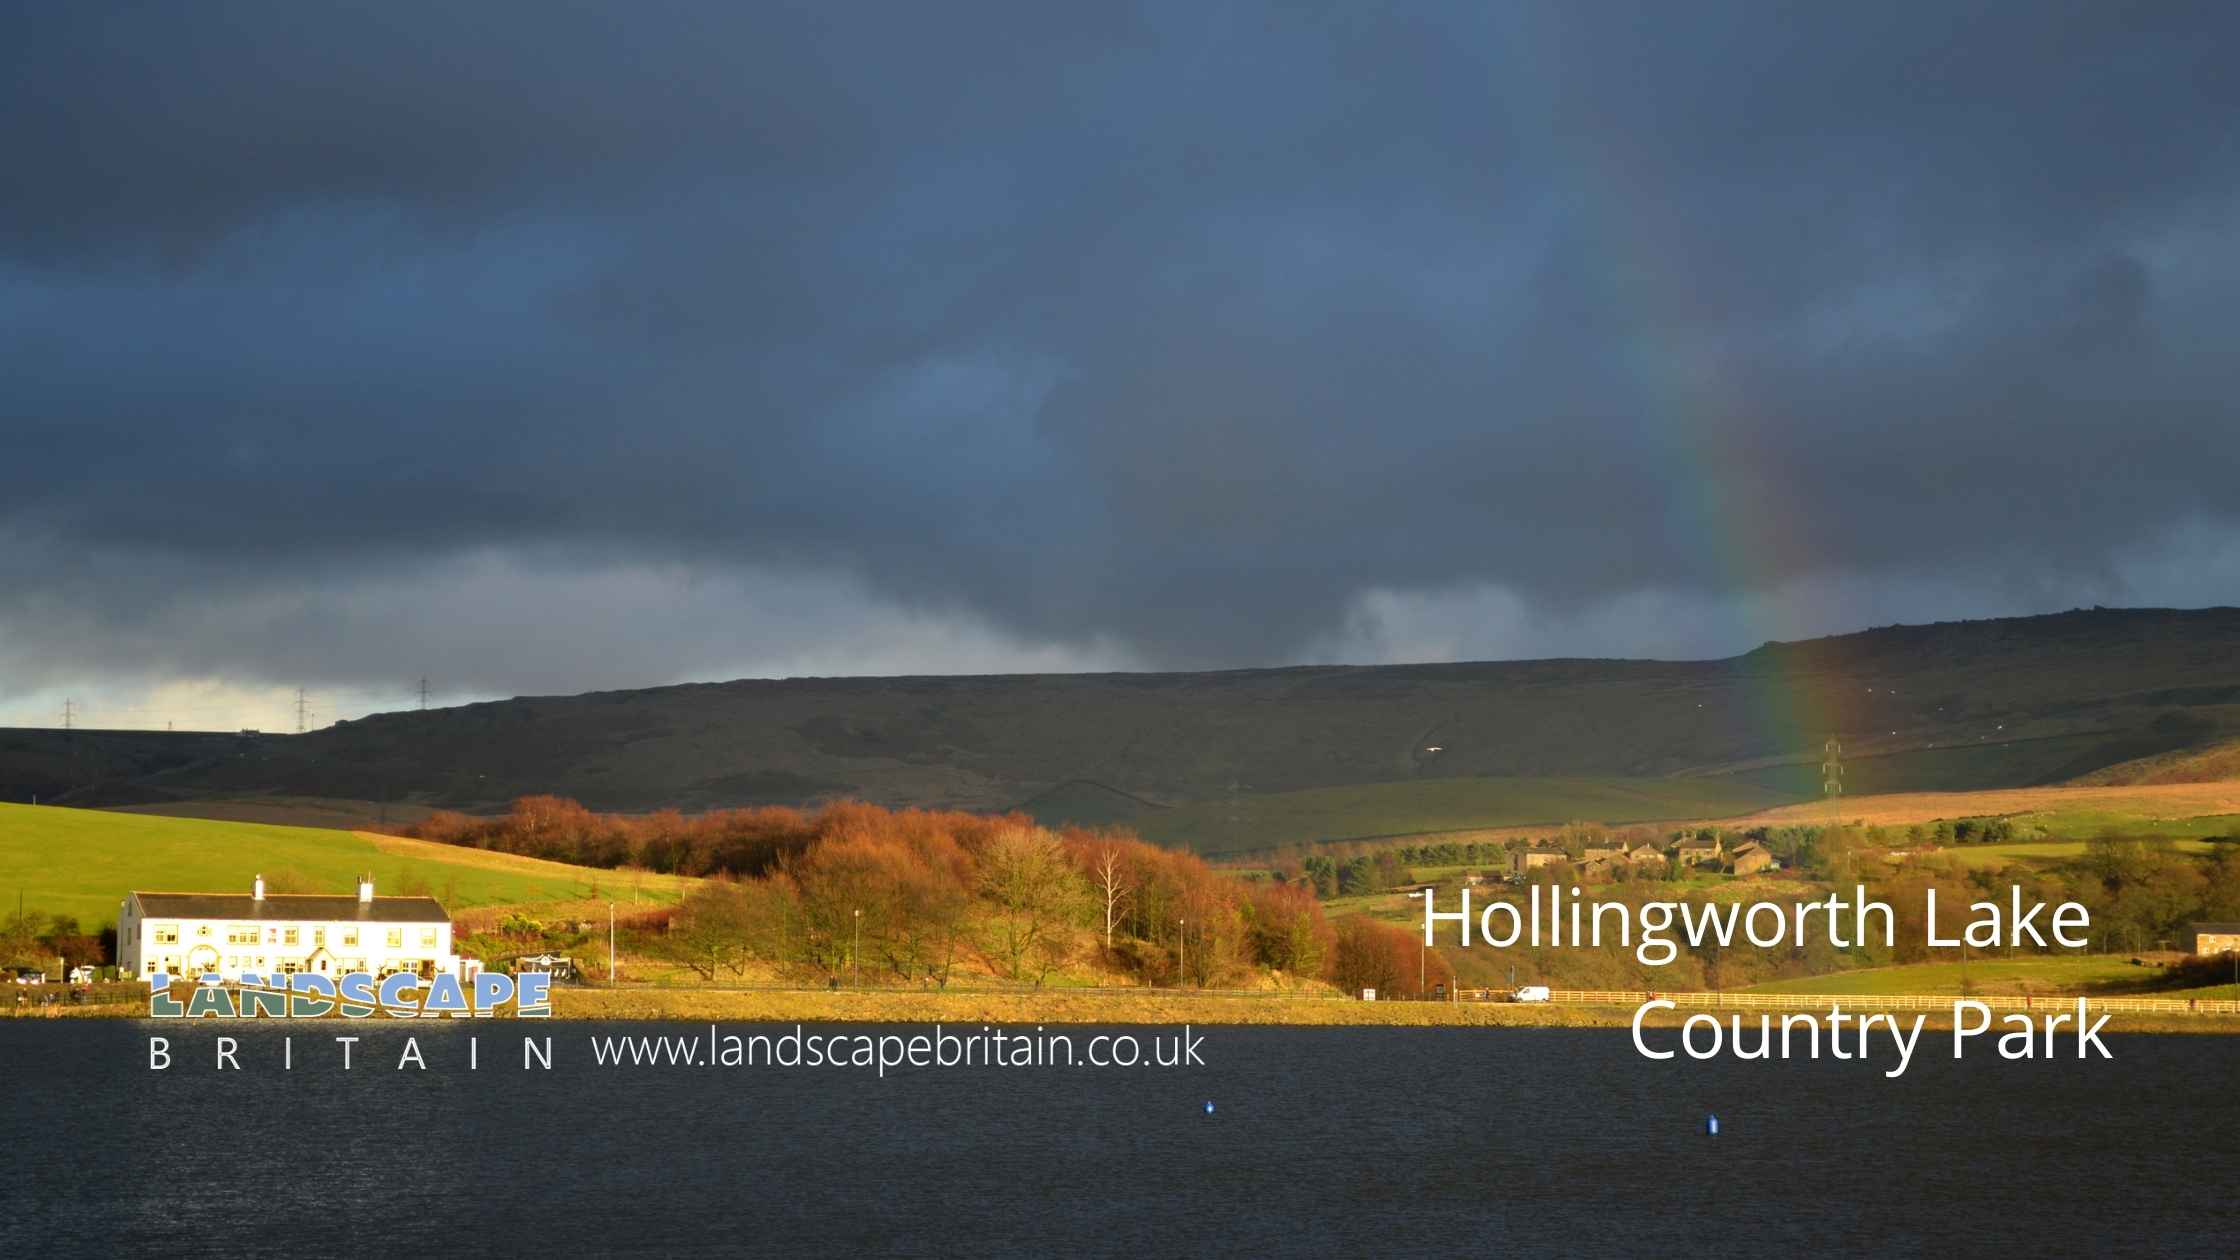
<point>710,931</point>
<point>1032,893</point>
<point>1392,960</point>
<point>1287,931</point>
<point>847,900</point>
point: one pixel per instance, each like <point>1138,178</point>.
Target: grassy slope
<point>82,862</point>
<point>1268,820</point>
<point>2065,807</point>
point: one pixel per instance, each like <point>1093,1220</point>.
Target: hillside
<point>2215,763</point>
<point>42,765</point>
<point>1946,707</point>
<point>1438,805</point>
<point>82,862</point>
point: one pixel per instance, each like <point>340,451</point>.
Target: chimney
<point>365,889</point>
<point>256,890</point>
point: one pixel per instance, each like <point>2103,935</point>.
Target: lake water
<point>1336,1141</point>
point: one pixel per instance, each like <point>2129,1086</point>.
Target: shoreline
<point>873,1007</point>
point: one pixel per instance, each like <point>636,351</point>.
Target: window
<point>165,933</point>
<point>318,936</point>
<point>202,929</point>
<point>241,934</point>
<point>291,937</point>
<point>428,939</point>
<point>349,936</point>
<point>396,938</point>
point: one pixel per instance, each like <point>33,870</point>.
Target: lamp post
<point>855,951</point>
<point>1423,952</point>
<point>610,943</point>
<point>1181,955</point>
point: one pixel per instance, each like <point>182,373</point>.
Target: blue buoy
<point>1711,1126</point>
<point>1209,1107</point>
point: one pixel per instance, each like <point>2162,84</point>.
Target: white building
<point>196,934</point>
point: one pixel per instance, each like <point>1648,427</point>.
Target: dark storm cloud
<point>1176,330</point>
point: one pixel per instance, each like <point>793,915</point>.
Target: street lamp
<point>610,942</point>
<point>855,951</point>
<point>1181,954</point>
<point>1423,953</point>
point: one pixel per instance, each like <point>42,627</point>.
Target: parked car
<point>1531,993</point>
<point>27,975</point>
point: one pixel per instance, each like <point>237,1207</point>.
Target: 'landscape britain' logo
<point>355,995</point>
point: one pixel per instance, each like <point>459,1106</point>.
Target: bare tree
<point>1111,878</point>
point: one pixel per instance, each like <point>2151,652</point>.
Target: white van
<point>1530,993</point>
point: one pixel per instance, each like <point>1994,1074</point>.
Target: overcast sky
<point>553,347</point>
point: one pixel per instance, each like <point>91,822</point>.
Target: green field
<point>2095,822</point>
<point>82,862</point>
<point>1270,820</point>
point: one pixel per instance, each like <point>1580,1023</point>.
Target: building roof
<point>291,907</point>
<point>2219,928</point>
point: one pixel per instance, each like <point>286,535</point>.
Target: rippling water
<point>1347,1141</point>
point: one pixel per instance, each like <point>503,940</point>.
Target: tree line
<point>918,896</point>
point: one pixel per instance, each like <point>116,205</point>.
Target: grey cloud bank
<point>724,339</point>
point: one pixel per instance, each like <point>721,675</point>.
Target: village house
<point>1535,858</point>
<point>2213,938</point>
<point>231,933</point>
<point>1693,852</point>
<point>1750,858</point>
